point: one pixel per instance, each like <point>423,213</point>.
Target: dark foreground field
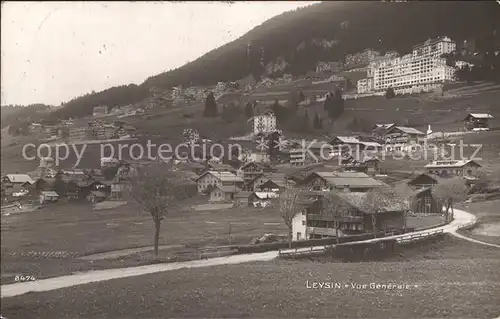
<point>452,279</point>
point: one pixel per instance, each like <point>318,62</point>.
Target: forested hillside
<point>292,36</point>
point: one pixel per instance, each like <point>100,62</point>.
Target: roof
<point>357,200</point>
<point>19,178</point>
<point>384,126</point>
<point>433,176</point>
<point>409,130</point>
<point>351,179</point>
<point>265,195</point>
<point>348,139</point>
<point>221,167</point>
<point>479,116</point>
<point>451,164</point>
<point>49,193</point>
<point>223,176</point>
<point>279,179</point>
<point>98,193</point>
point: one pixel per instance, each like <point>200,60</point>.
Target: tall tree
<point>158,189</point>
<point>288,205</point>
<point>389,93</point>
<point>248,110</point>
<point>210,106</point>
<point>450,191</point>
<point>333,205</point>
<point>317,122</point>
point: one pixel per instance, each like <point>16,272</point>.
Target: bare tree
<point>288,204</point>
<point>332,205</point>
<point>157,189</point>
<point>450,191</point>
<point>383,199</point>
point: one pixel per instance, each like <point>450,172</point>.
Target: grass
<point>488,215</point>
<point>459,279</point>
<point>76,230</point>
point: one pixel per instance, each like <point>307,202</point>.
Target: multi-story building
<point>211,179</point>
<point>264,123</point>
<point>335,66</point>
<point>465,168</point>
<point>424,66</point>
<point>365,57</point>
<point>78,133</point>
<point>220,88</point>
<point>176,92</point>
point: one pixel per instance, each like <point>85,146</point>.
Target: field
<point>51,241</point>
<point>48,242</point>
<point>488,229</point>
<point>454,279</point>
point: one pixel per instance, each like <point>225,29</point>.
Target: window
<point>299,235</point>
<point>303,223</point>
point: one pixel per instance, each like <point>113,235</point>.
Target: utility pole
<point>229,232</point>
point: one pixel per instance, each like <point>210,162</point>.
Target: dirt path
<point>461,218</point>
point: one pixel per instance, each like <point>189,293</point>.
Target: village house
<point>404,135</point>
<point>272,182</point>
<point>261,199</point>
<point>379,131</point>
<point>220,168</point>
<point>48,197</point>
<point>263,123</point>
<point>449,168</point>
<point>312,222</point>
<point>241,199</point>
<point>353,145</point>
<point>221,193</point>
<point>214,178</point>
<point>477,121</point>
<point>16,182</point>
<point>96,196</point>
<point>343,181</point>
<point>368,165</point>
<point>251,170</point>
<point>423,201</point>
<point>100,110</point>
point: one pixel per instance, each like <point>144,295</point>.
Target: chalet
<point>15,182</point>
<point>477,121</point>
<point>48,197</point>
<point>351,144</point>
<point>275,180</point>
<point>96,197</point>
<point>424,181</point>
<point>214,178</point>
<point>221,193</point>
<point>423,201</point>
<point>449,168</point>
<point>118,189</point>
<point>314,222</point>
<point>380,130</point>
<point>241,198</point>
<point>345,181</point>
<point>252,169</point>
<point>404,135</point>
<point>220,168</point>
<point>368,165</point>
<point>261,199</point>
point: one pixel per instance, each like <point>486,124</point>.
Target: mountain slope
<point>379,25</point>
<point>293,37</point>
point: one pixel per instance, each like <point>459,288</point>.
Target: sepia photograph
<point>250,159</point>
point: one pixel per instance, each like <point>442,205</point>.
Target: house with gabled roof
<point>343,181</point>
<point>477,121</point>
<point>448,168</point>
<point>222,193</point>
<point>214,178</point>
<point>314,222</point>
<point>404,135</point>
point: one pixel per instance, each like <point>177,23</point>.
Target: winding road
<point>461,218</point>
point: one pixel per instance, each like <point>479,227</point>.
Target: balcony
<point>352,219</point>
<point>321,231</point>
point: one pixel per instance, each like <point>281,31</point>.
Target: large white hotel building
<point>421,68</point>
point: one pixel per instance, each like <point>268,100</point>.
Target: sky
<point>52,52</point>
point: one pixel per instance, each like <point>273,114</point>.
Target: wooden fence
<point>318,250</point>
